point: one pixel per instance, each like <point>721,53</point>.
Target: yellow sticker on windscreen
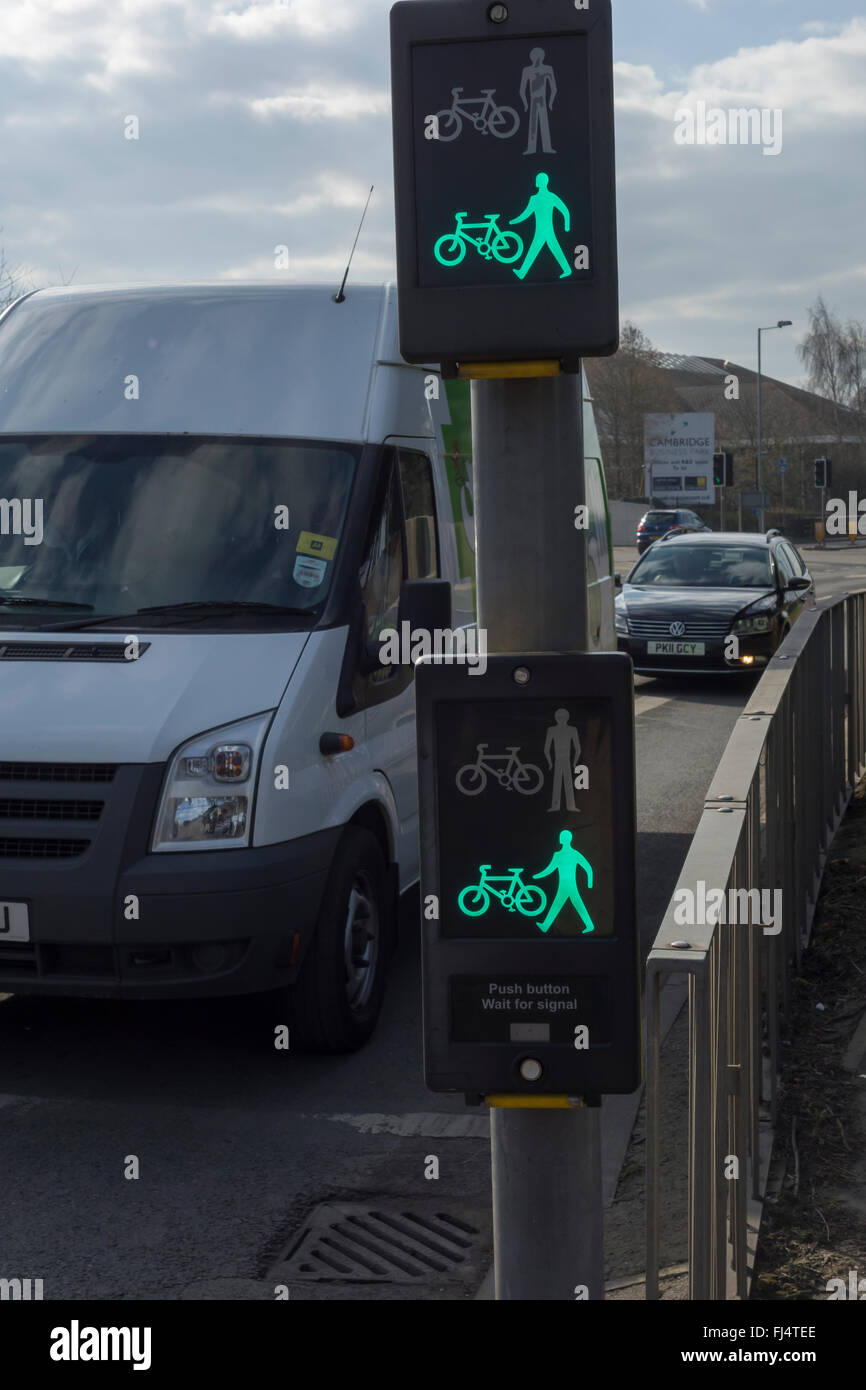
<point>323,547</point>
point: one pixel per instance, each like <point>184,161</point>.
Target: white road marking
<point>428,1125</point>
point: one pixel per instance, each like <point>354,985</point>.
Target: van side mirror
<point>800,581</point>
<point>617,580</point>
<point>425,605</point>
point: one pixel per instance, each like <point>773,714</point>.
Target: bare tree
<point>854,370</point>
<point>823,353</point>
<point>13,280</point>
<point>624,388</point>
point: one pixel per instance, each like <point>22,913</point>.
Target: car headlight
<point>620,618</point>
<point>756,618</point>
<point>207,795</point>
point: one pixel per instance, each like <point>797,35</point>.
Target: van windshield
<point>116,523</point>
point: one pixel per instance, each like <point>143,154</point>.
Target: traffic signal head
<point>718,470</point>
<point>504,180</point>
<point>822,472</point>
<point>529,933</point>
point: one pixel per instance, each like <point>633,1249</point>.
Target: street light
<point>781,323</point>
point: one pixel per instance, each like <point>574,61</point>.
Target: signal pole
<point>515,311</point>
<point>532,596</point>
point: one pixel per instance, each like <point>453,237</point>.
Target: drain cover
<point>398,1242</point>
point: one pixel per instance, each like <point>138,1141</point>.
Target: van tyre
<point>336,999</point>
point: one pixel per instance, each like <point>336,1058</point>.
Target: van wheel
<point>336,999</point>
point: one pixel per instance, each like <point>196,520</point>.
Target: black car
<point>720,601</point>
<point>658,522</point>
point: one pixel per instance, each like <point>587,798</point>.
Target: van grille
<point>41,849</point>
<point>45,812</point>
<point>49,810</point>
<point>57,772</point>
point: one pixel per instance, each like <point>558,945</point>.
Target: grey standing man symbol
<point>562,737</point>
<point>539,79</point>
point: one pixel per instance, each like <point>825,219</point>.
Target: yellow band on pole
<point>534,1102</point>
<point>483,370</point>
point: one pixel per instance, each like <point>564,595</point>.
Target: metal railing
<point>771,810</point>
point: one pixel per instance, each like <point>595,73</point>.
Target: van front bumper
<point>119,922</point>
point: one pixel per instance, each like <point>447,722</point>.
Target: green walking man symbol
<point>541,206</point>
<point>565,861</point>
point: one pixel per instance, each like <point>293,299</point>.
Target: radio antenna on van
<point>339,296</point>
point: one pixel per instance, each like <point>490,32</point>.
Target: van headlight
<point>207,795</point>
<point>620,618</point>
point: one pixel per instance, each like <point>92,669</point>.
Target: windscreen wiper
<point>193,606</point>
<point>229,605</point>
<point>22,601</point>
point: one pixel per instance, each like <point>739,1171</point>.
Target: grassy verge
<point>814,1229</point>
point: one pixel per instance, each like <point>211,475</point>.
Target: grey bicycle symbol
<point>506,767</point>
<point>501,121</point>
<point>517,895</point>
<point>502,246</point>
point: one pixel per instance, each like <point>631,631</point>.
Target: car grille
<point>707,628</point>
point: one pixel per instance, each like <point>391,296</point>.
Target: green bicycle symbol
<point>526,898</point>
<point>501,246</point>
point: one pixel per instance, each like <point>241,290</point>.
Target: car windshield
<point>670,564</point>
<point>114,523</point>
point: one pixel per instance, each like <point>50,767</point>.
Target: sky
<point>263,123</point>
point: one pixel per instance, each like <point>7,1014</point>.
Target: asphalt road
<point>236,1143</point>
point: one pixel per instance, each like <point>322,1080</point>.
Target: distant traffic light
<point>822,472</point>
<point>723,470</point>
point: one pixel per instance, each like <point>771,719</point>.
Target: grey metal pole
<point>527,444</point>
<point>760,483</point>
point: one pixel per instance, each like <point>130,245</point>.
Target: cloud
<point>817,79</point>
<point>710,237</point>
<point>323,103</point>
<point>264,123</point>
<point>269,20</point>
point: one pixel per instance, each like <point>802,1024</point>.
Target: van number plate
<point>675,648</point>
<point>14,922</point>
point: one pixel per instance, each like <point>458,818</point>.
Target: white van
<point>213,499</point>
